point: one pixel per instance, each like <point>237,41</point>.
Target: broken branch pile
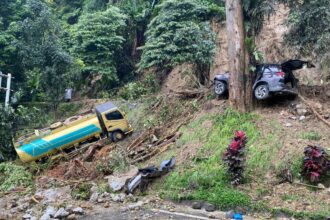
<point>143,148</point>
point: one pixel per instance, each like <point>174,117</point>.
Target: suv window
<point>116,115</point>
<point>272,69</point>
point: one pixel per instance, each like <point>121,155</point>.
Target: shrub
<point>134,90</point>
<point>316,163</point>
<point>82,191</point>
<point>234,157</point>
<point>13,176</point>
<point>116,161</point>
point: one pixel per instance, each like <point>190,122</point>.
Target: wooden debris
<point>191,93</point>
<point>92,149</point>
<point>314,111</point>
<point>158,148</point>
<point>34,200</point>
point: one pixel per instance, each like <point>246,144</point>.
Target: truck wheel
<point>56,125</point>
<point>117,136</point>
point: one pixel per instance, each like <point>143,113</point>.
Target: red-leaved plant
<point>316,163</point>
<point>234,157</point>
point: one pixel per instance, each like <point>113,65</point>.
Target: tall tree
<point>98,43</point>
<point>239,93</point>
<point>179,33</point>
<point>41,51</point>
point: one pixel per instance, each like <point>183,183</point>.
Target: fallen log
<point>314,111</point>
<point>158,148</point>
<point>190,93</point>
<point>138,141</point>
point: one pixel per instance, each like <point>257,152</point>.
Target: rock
<point>61,213</point>
<point>301,118</point>
<point>327,93</point>
<point>118,197</point>
<point>27,216</point>
<point>94,188</point>
<point>154,139</point>
<point>321,186</point>
<point>45,217</point>
<point>100,200</point>
<point>54,194</point>
<point>293,117</point>
<point>212,216</point>
<point>94,197</point>
<point>78,211</point>
<point>22,207</point>
<point>106,205</point>
<point>105,194</point>
<point>131,198</point>
<point>136,205</point>
<point>288,125</point>
<point>209,207</point>
<point>230,214</point>
<point>117,181</point>
<point>72,217</point>
<point>197,205</point>
<point>69,208</point>
<point>33,218</point>
<point>49,213</point>
<point>301,111</point>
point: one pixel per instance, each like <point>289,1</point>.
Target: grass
<point>207,179</point>
<point>311,135</point>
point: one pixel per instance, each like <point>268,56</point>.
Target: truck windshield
<point>116,115</point>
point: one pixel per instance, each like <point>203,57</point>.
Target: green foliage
<point>206,178</point>
<point>255,12</point>
<point>82,191</point>
<point>311,135</point>
<point>10,121</point>
<point>309,23</point>
<point>178,33</point>
<point>7,120</point>
<point>13,176</point>
<point>98,41</point>
<point>134,90</point>
<point>66,110</point>
<point>43,58</point>
<point>116,161</point>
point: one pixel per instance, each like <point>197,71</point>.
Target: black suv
<point>269,79</point>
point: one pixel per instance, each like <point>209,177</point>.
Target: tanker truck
<point>107,121</point>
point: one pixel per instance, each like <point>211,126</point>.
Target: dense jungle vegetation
<point>101,48</point>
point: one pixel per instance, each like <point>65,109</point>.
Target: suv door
<point>292,65</point>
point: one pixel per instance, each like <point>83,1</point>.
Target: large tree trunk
<point>239,86</point>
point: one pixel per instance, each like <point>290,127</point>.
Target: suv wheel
<point>261,92</point>
<point>219,88</point>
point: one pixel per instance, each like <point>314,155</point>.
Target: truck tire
<point>56,125</point>
<point>116,136</point>
<point>72,119</point>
